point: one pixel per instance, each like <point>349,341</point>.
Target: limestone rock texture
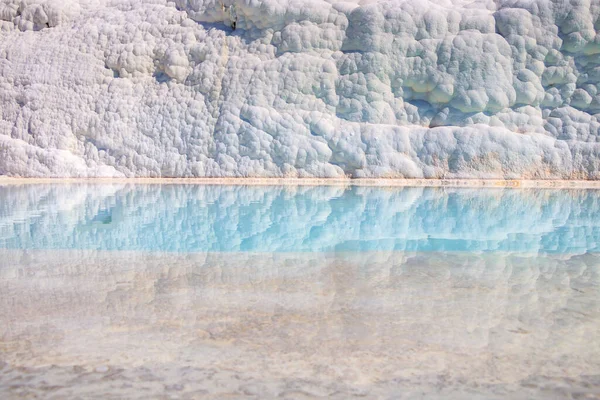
<point>300,88</point>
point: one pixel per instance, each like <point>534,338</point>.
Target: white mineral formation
<point>300,88</point>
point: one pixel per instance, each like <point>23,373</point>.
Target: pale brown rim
<point>566,184</point>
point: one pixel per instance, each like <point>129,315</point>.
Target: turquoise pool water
<point>193,218</point>
<point>112,291</point>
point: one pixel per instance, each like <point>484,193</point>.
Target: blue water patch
<point>200,218</point>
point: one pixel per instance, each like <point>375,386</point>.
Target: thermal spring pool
<point>133,291</point>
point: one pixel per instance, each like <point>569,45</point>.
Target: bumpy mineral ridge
<point>301,88</point>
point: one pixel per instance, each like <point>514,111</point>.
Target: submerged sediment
<point>145,324</point>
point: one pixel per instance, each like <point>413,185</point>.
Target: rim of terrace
<point>383,182</point>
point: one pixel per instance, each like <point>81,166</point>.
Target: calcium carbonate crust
<point>301,88</point>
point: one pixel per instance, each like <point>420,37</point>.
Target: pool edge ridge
<point>382,182</point>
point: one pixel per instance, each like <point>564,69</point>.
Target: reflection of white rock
<point>373,321</point>
<point>398,88</point>
<point>231,218</point>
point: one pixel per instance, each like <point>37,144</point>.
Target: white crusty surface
<point>302,88</point>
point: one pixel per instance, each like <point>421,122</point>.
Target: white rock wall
<point>327,88</point>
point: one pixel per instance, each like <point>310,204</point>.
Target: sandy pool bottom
<point>131,325</point>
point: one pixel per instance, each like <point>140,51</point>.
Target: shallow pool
<point>208,291</point>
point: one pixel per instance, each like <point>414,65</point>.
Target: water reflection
<point>199,218</point>
<point>298,292</point>
<point>325,324</point>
